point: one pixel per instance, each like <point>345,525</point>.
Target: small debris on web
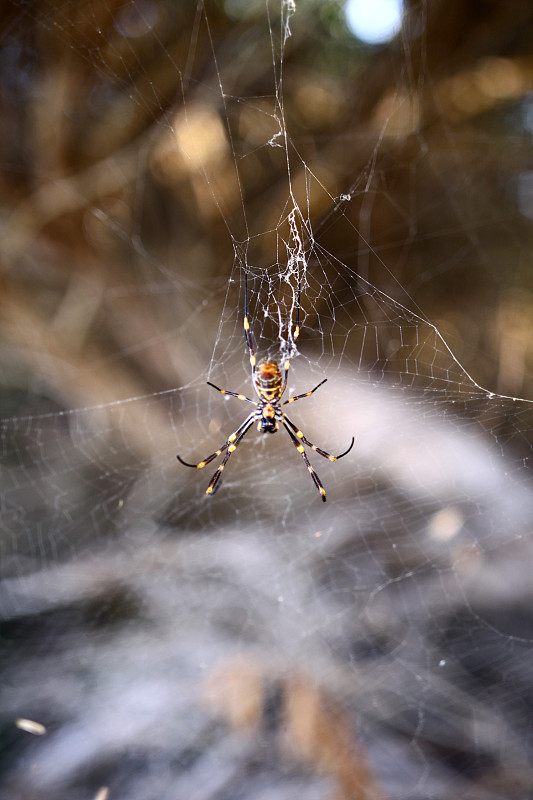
<point>30,726</point>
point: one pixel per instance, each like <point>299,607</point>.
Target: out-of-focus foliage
<point>115,143</point>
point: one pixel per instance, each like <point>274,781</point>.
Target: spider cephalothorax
<point>269,383</point>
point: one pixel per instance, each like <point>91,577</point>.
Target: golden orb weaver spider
<point>270,384</point>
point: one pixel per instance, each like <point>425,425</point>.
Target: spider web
<point>176,149</point>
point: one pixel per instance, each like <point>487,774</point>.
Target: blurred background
<point>258,645</point>
<point>119,177</point>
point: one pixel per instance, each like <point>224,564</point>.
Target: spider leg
<point>297,328</point>
<point>306,394</point>
<point>247,331</point>
<point>324,453</point>
<point>213,484</point>
<point>294,335</point>
<point>241,430</point>
<point>301,450</point>
<point>232,394</point>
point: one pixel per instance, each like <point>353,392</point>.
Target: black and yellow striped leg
<point>299,446</point>
<point>285,374</point>
<point>306,394</point>
<point>294,335</point>
<point>247,331</point>
<point>297,328</point>
<point>232,394</point>
<point>213,485</point>
<point>324,453</point>
<point>241,430</point>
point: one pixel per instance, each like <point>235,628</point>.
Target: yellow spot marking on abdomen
<point>299,434</point>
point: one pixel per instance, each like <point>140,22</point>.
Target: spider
<point>270,384</point>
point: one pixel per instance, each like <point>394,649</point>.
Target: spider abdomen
<point>269,381</point>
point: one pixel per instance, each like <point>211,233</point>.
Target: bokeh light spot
<point>374,22</point>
